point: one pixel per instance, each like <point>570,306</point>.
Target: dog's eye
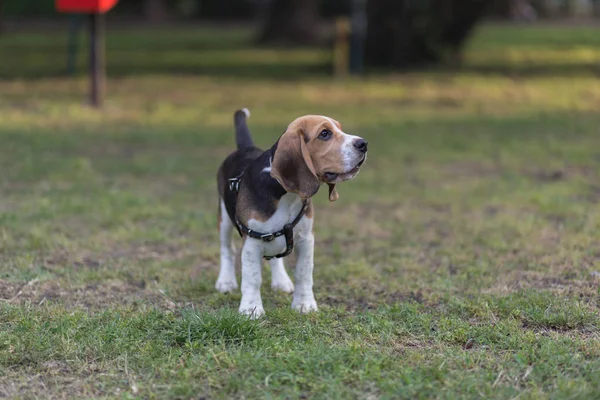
<point>325,134</point>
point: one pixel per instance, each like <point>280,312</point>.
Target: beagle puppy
<point>265,196</point>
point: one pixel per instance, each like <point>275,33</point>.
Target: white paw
<point>284,284</point>
<point>305,305</point>
<point>254,312</point>
<point>226,286</point>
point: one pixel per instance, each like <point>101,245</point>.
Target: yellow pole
<point>341,57</point>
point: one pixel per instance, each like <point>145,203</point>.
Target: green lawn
<point>463,262</point>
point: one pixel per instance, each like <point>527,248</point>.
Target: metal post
<point>357,36</point>
<point>97,72</point>
<point>75,23</point>
<point>341,47</point>
<point>1,15</point>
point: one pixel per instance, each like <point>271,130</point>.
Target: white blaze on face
<point>350,155</point>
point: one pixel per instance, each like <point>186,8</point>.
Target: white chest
<point>288,209</point>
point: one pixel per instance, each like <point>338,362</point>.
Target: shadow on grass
<point>229,52</point>
<point>271,71</point>
<point>248,63</point>
<point>200,51</point>
<point>532,71</point>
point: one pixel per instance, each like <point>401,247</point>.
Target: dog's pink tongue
<point>333,194</point>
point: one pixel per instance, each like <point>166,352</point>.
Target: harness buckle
<point>267,237</point>
<point>234,184</point>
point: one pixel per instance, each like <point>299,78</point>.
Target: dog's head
<point>315,150</point>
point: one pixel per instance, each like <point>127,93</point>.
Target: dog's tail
<point>243,138</point>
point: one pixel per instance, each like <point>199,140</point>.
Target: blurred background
<point>177,36</point>
<point>475,216</point>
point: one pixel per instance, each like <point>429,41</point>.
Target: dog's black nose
<point>361,145</point>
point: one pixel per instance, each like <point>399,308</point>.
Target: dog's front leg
<point>251,303</point>
<point>304,299</point>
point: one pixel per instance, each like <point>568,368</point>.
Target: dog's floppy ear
<point>292,166</point>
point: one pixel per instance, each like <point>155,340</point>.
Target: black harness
<point>287,231</point>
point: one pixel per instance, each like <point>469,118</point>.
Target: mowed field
<point>463,262</point>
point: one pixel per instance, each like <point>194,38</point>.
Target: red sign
<point>84,6</point>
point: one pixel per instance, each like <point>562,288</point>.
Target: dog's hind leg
<point>226,281</point>
<point>280,280</point>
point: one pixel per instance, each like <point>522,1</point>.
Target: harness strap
<point>287,231</point>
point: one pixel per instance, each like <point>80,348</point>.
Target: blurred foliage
<point>28,8</point>
<point>407,34</point>
<point>247,9</point>
<point>212,9</point>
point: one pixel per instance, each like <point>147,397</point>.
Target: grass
<point>463,262</point>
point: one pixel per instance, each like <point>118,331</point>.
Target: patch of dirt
<point>376,299</point>
<point>155,251</point>
<point>573,332</point>
<point>401,345</point>
<point>90,296</point>
<point>560,174</point>
<point>566,284</point>
<point>592,196</point>
<point>62,258</point>
<point>145,252</point>
<point>471,169</point>
<point>52,380</point>
<point>549,176</point>
<point>8,290</point>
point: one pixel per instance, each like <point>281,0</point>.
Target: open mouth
<point>360,163</point>
<point>333,176</point>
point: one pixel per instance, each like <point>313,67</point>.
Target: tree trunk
<point>407,34</point>
<point>156,10</point>
<point>569,8</point>
<point>499,9</point>
<point>1,15</point>
<point>290,22</point>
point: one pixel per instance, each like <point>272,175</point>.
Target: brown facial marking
<point>326,154</point>
<point>293,164</point>
<point>301,158</point>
